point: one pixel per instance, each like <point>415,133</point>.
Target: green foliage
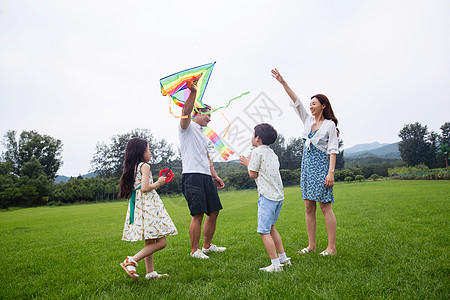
<point>445,133</point>
<point>94,189</point>
<point>359,177</point>
<point>418,146</point>
<point>399,252</point>
<point>290,178</point>
<point>107,160</point>
<point>46,149</point>
<point>374,177</point>
<point>348,179</point>
<point>340,161</point>
<point>239,181</point>
<point>6,167</point>
<point>408,170</point>
<point>444,150</point>
<point>289,153</point>
<point>339,175</point>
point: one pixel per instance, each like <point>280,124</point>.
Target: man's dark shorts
<point>200,192</point>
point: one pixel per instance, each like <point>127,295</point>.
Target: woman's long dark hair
<point>327,111</point>
<point>134,154</point>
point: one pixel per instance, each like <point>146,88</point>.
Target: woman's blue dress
<point>315,165</point>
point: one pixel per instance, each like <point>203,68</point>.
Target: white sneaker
<point>286,262</point>
<point>213,248</point>
<point>272,269</point>
<point>199,254</point>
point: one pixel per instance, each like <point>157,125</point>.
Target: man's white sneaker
<point>213,248</point>
<point>199,254</point>
<point>286,262</point>
<point>272,269</point>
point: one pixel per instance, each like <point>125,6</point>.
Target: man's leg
<point>195,229</point>
<point>209,228</point>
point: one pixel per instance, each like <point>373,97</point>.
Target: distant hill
<point>62,178</point>
<point>363,147</point>
<point>384,151</point>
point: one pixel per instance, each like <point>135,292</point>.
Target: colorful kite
<point>175,86</point>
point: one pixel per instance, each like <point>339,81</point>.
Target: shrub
<point>374,177</point>
<point>359,177</point>
<point>348,179</point>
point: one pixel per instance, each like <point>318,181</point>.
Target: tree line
<point>31,161</point>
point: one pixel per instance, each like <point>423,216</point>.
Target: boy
<point>263,166</point>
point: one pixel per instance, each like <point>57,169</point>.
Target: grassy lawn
<point>393,242</point>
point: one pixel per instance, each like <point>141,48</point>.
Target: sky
<point>83,71</point>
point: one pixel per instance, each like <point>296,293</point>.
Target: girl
<point>147,219</point>
<point>320,147</point>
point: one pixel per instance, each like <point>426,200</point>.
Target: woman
<point>320,146</point>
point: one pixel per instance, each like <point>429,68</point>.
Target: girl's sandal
<point>129,265</point>
<point>154,275</point>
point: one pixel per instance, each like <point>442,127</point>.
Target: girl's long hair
<point>134,154</point>
<point>328,111</point>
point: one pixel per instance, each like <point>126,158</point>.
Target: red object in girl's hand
<point>168,173</point>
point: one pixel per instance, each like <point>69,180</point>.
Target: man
<point>199,179</point>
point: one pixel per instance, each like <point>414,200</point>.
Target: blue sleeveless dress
<point>315,164</point>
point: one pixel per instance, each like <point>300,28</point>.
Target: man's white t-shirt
<point>264,161</point>
<point>194,149</point>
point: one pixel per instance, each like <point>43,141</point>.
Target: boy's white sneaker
<point>272,269</point>
<point>286,262</point>
<point>213,248</point>
<point>199,254</point>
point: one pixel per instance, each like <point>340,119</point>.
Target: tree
<point>444,149</point>
<point>340,162</point>
<point>108,159</point>
<point>289,153</point>
<point>417,145</point>
<point>46,149</point>
<point>445,135</point>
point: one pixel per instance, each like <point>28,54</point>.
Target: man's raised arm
<point>188,106</point>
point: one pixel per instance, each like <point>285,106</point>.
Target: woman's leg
<point>330,223</point>
<point>150,248</point>
<point>310,213</point>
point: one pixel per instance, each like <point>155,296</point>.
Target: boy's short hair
<point>266,133</point>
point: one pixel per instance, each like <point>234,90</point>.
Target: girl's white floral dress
<point>151,220</point>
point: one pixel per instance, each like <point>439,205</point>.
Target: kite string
<point>229,102</point>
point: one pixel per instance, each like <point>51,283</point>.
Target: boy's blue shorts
<point>268,212</point>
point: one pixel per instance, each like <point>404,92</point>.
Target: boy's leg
<point>277,240</point>
<point>269,244</point>
<point>209,227</point>
<point>195,230</point>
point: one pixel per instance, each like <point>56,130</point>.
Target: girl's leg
<point>330,223</point>
<point>150,248</point>
<point>149,259</point>
<point>310,217</point>
<point>277,240</point>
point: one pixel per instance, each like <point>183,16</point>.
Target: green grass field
<point>392,239</point>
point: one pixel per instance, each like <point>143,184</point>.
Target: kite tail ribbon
<point>133,203</point>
